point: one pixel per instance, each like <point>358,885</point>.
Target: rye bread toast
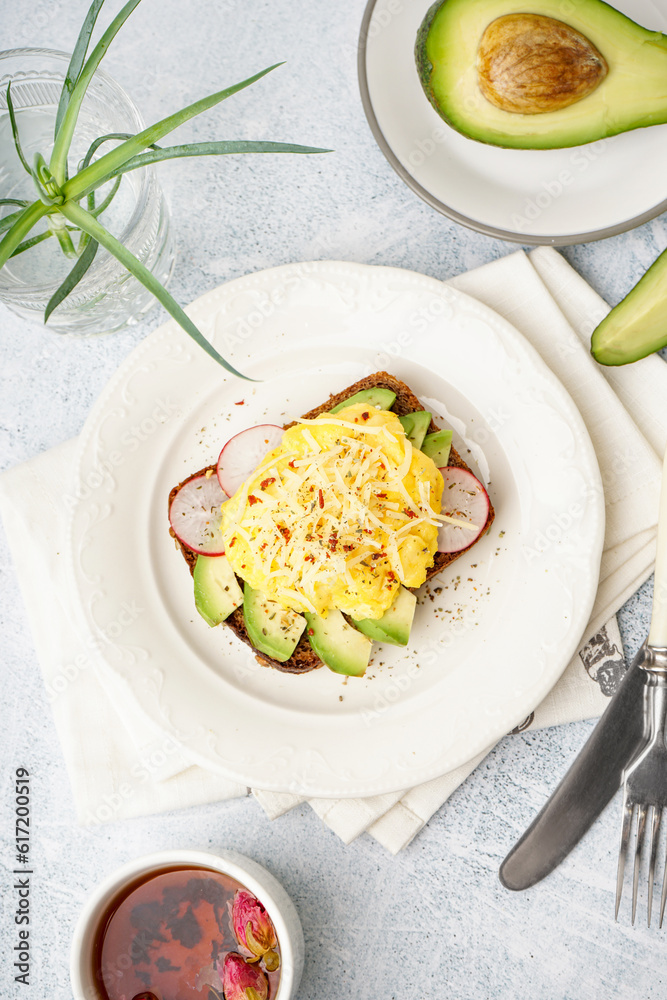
<point>304,658</point>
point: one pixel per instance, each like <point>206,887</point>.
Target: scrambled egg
<point>338,516</point>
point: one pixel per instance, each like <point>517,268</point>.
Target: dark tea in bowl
<point>188,925</point>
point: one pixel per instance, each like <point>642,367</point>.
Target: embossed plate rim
<point>297,749</point>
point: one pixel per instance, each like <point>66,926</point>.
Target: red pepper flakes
<point>381,496</point>
<point>311,631</point>
<point>391,575</point>
<point>252,500</point>
<point>348,548</point>
<point>267,482</point>
<point>365,414</point>
<point>285,532</point>
<point>333,543</point>
<point>321,498</point>
<point>409,513</point>
<point>233,541</point>
<point>291,464</point>
<point>241,402</point>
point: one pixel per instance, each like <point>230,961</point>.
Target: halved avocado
<point>637,326</point>
<point>616,76</point>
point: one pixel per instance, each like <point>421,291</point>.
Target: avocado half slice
<point>614,71</point>
<point>637,326</point>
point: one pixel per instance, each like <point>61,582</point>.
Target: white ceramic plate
<point>485,648</point>
<point>557,197</point>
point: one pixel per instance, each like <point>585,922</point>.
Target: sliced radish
<point>464,498</point>
<point>195,515</point>
<point>242,454</point>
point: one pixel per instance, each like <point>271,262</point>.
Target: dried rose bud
<point>241,980</point>
<point>253,929</point>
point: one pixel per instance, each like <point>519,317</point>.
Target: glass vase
<point>108,297</point>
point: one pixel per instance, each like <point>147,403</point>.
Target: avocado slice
<point>459,62</point>
<point>338,644</point>
<point>217,591</point>
<point>415,426</point>
<point>378,397</point>
<point>272,629</point>
<point>437,447</point>
<point>637,326</point>
<point>396,622</point>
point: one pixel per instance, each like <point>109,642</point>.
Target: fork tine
<point>623,850</point>
<point>639,845</point>
<point>656,817</point>
<point>663,898</point>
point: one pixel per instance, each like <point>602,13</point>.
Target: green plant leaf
<point>14,201</point>
<point>73,278</point>
<point>107,165</point>
<point>94,146</point>
<point>65,241</point>
<point>76,62</point>
<point>48,189</point>
<point>84,220</point>
<point>15,129</point>
<point>63,141</point>
<point>28,218</point>
<point>96,211</point>
<point>223,148</point>
<point>34,240</point>
<point>8,221</point>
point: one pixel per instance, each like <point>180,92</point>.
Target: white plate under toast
<point>492,633</point>
<point>530,196</point>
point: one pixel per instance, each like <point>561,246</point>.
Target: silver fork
<point>645,783</point>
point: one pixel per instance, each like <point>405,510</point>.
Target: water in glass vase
<point>108,297</point>
<point>40,265</point>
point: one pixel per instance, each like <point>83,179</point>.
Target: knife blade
<point>591,782</point>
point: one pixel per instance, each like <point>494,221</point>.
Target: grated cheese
<point>331,515</point>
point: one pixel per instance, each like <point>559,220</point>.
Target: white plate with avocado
<point>491,635</point>
<point>530,196</point>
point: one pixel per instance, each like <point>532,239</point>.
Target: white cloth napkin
<point>121,765</point>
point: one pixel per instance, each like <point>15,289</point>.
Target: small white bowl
<point>252,876</point>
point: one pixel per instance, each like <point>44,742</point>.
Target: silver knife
<point>593,779</point>
<point>598,771</point>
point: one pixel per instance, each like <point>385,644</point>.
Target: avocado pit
<point>530,64</point>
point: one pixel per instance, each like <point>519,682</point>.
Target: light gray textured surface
<point>434,921</point>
